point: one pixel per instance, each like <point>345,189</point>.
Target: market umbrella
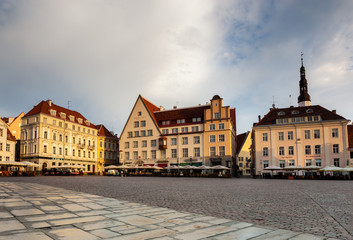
<point>292,168</point>
<point>331,169</point>
<point>272,168</point>
<point>348,169</point>
<point>111,167</point>
<point>220,167</point>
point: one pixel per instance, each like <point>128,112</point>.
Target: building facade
<point>300,136</point>
<point>350,144</point>
<point>180,136</point>
<point>243,152</point>
<point>53,136</point>
<point>7,143</point>
<point>14,125</point>
<point>107,148</point>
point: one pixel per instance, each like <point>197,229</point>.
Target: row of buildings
<point>302,136</point>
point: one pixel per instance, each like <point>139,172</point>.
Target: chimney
<point>175,107</point>
<point>259,117</point>
<point>334,111</point>
<point>49,102</point>
<point>161,108</point>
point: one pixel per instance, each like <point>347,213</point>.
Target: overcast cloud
<point>100,54</point>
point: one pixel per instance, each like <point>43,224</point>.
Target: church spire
<point>304,97</point>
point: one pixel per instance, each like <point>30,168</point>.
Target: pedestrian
<point>122,173</point>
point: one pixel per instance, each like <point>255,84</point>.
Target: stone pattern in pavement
<point>33,211</point>
<point>312,206</point>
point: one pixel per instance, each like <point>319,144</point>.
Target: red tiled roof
<point>5,119</point>
<point>151,107</point>
<point>43,107</point>
<point>181,113</point>
<point>350,135</point>
<point>232,116</point>
<point>272,115</point>
<point>240,140</point>
<point>10,137</point>
<point>104,132</point>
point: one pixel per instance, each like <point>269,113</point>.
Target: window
<point>265,137</point>
<point>129,134</point>
<point>265,164</point>
<point>1,132</point>
<point>265,152</point>
<point>196,119</point>
<point>174,153</point>
<point>336,162</point>
<point>212,127</point>
<point>196,140</point>
<point>54,150</point>
<point>281,151</point>
<point>307,134</point>
<point>216,115</point>
<point>185,140</point>
<point>221,126</point>
<point>136,155</point>
<point>127,156</point>
<point>310,118</point>
<point>282,163</point>
<point>221,138</point>
<point>137,133</point>
<point>197,152</point>
<point>174,141</point>
<point>290,150</point>
<point>179,121</point>
<point>67,140</point>
<point>66,152</point>
<point>149,133</point>
<point>153,154</point>
<point>335,132</point>
<point>318,162</point>
<point>45,148</point>
<point>73,152</point>
<point>335,148</point>
<point>185,152</point>
<point>307,149</point>
<point>54,135</point>
<point>212,138</point>
<point>351,154</point>
<point>291,162</point>
<point>73,140</point>
<point>280,136</point>
<point>144,143</point>
<point>281,113</point>
<point>316,133</point>
<point>136,124</point>
<point>308,162</point>
<point>45,134</point>
<point>212,151</point>
<point>184,129</point>
<point>143,133</point>
<point>139,113</point>
<point>144,154</point>
<point>222,151</point>
<point>174,130</point>
<point>143,124</point>
<point>290,135</point>
<point>135,144</point>
<point>317,149</point>
<point>165,123</point>
<point>240,159</point>
<point>316,118</point>
<point>165,131</point>
<point>79,152</point>
<point>0,146</point>
<point>195,129</point>
<point>153,143</point>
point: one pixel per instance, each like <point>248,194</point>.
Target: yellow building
<point>14,125</point>
<point>107,148</point>
<point>53,136</point>
<point>243,152</point>
<point>7,143</point>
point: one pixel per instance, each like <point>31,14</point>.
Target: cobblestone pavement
<point>322,208</point>
<point>39,212</point>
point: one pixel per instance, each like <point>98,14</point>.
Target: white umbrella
<point>203,167</point>
<point>12,163</point>
<point>220,167</point>
<point>30,164</point>
<point>172,167</point>
<point>331,169</point>
<point>348,169</point>
<point>273,167</point>
<point>292,168</point>
<point>311,168</point>
<point>111,167</point>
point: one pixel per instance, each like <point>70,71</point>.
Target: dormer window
<point>87,122</point>
<point>79,120</point>
<point>309,110</point>
<point>72,118</point>
<point>62,115</point>
<point>295,112</point>
<point>166,123</point>
<point>52,112</point>
<point>179,121</point>
<point>281,113</point>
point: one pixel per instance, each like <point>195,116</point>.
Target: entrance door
<point>44,167</point>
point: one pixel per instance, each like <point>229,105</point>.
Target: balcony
<point>81,145</point>
<point>163,143</point>
<point>91,147</point>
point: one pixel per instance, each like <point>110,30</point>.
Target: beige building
<point>14,125</point>
<point>302,136</point>
<point>155,136</point>
<point>350,142</point>
<point>7,143</point>
<point>54,136</point>
<point>243,153</point>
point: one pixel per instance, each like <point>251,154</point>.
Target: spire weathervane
<point>302,58</point>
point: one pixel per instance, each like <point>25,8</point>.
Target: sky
<point>97,56</point>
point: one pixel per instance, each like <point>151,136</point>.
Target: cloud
<point>101,54</point>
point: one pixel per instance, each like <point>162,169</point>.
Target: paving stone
<point>243,234</point>
<point>75,207</point>
<point>48,217</point>
<point>27,212</point>
<point>305,236</point>
<point>27,236</point>
<point>72,234</point>
<point>95,212</point>
<point>10,225</point>
<point>5,215</point>
<point>51,208</point>
<point>94,206</point>
<point>76,220</point>
<point>138,220</point>
<point>145,235</point>
<point>99,225</point>
<point>277,235</point>
<point>15,204</point>
<point>191,226</point>
<point>204,233</point>
<point>104,233</point>
<point>40,225</point>
<point>133,230</point>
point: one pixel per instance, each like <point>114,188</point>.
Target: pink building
<point>305,136</point>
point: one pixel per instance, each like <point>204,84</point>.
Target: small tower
<point>304,97</point>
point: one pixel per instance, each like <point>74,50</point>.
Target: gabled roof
<point>232,116</point>
<point>44,107</point>
<point>19,116</point>
<point>10,137</point>
<point>150,107</point>
<point>350,135</point>
<point>317,110</point>
<point>104,132</point>
<point>241,138</point>
<point>182,113</point>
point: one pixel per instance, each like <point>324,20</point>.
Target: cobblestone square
<point>178,208</point>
